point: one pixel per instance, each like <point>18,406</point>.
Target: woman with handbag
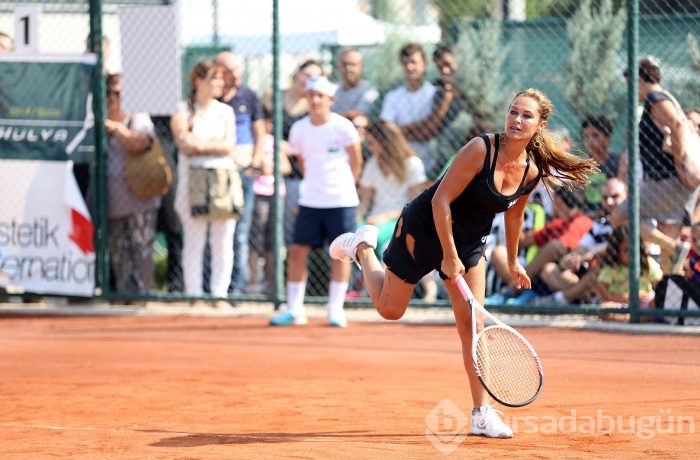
<point>205,133</point>
<point>132,218</point>
<point>666,199</point>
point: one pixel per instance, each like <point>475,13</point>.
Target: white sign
<point>27,21</point>
<point>150,59</point>
<point>46,233</point>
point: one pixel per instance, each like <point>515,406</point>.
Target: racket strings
<point>507,366</point>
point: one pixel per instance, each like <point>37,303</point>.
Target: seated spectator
<point>573,279</point>
<point>677,291</point>
<point>534,218</point>
<point>558,237</point>
<point>613,280</point>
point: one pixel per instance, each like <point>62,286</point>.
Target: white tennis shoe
<point>486,422</point>
<point>344,247</point>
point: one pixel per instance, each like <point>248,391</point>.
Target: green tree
<point>452,11</point>
<point>595,35</point>
<point>567,8</point>
<point>481,53</point>
<point>690,91</point>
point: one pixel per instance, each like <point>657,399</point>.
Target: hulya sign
<point>48,114</point>
<point>46,232</point>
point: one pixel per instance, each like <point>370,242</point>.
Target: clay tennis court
<point>185,387</point>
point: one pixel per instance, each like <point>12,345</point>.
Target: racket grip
<point>464,289</point>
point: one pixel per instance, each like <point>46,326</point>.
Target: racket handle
<point>464,289</point>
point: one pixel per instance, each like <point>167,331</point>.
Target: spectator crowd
<point>350,155</point>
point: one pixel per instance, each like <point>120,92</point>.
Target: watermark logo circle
<point>446,425</point>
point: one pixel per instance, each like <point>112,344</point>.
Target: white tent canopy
<point>305,25</point>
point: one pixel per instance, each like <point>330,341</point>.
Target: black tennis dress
<point>473,212</point>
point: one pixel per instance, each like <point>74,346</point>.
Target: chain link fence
<point>466,61</point>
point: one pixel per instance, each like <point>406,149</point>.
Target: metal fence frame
<point>277,296</point>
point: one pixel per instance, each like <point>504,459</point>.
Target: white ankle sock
<point>336,297</point>
<point>295,298</point>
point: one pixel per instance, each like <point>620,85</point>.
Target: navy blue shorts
<point>427,250</point>
<point>315,227</point>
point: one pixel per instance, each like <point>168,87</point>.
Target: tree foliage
<point>567,8</point>
<point>450,11</point>
<point>595,36</point>
<point>481,52</point>
<point>690,92</point>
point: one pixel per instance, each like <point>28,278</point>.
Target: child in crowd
<point>613,278</point>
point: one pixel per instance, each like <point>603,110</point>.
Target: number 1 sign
<point>27,19</point>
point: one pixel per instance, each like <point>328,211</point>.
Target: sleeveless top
<point>474,209</point>
<point>656,164</point>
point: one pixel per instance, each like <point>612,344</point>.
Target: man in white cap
<point>327,147</point>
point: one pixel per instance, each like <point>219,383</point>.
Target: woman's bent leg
<point>389,293</point>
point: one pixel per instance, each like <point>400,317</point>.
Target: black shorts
<point>427,250</point>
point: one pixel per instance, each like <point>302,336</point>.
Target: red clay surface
<point>209,388</point>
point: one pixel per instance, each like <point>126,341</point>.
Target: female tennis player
<point>445,227</point>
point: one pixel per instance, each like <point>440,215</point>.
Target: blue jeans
<point>241,246</point>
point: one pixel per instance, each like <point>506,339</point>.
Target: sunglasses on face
<point>113,92</point>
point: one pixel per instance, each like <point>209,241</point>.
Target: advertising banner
<point>46,124</point>
<point>46,107</point>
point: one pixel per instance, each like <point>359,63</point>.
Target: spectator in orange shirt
<point>558,237</point>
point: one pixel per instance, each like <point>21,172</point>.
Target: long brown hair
<point>395,149</point>
<point>558,166</point>
<point>200,70</point>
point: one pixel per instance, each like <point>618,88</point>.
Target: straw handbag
<point>148,174</point>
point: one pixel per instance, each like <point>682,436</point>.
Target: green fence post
<point>98,170</point>
<point>633,168</point>
<point>277,203</point>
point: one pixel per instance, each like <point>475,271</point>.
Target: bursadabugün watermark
<point>642,426</point>
<point>447,426</point>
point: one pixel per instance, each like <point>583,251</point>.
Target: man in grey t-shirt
<point>354,92</point>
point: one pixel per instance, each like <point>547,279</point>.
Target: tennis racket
<point>505,362</point>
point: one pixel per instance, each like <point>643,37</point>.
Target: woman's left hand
<point>519,275</point>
